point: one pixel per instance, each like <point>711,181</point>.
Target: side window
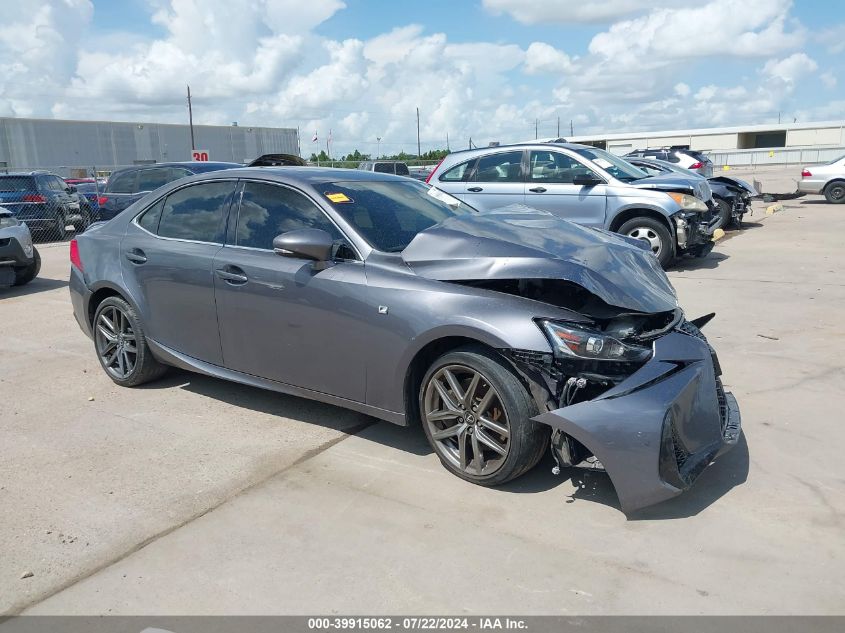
<point>123,183</point>
<point>197,212</point>
<point>554,167</point>
<point>504,167</point>
<point>457,173</point>
<point>402,169</point>
<point>150,179</point>
<point>58,184</point>
<point>149,218</point>
<point>384,168</point>
<point>270,210</point>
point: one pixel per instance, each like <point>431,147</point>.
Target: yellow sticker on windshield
<point>338,197</point>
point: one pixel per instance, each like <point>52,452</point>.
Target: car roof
<point>303,175</point>
<point>185,163</point>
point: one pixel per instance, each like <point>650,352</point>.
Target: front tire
<point>835,192</point>
<point>725,213</point>
<point>122,346</point>
<point>477,415</point>
<point>27,273</point>
<point>655,234</point>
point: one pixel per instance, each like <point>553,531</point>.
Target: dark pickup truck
<point>127,185</point>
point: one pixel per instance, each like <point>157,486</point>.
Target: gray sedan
<point>828,180</point>
<point>504,334</point>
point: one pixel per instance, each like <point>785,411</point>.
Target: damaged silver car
<point>505,333</point>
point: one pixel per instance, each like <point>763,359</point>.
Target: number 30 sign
<point>199,154</point>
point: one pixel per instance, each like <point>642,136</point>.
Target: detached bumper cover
<point>655,432</point>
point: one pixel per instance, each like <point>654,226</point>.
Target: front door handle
<point>232,275</point>
<point>136,256</point>
<point>537,190</point>
<point>475,189</point>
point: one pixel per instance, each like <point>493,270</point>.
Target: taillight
<point>74,255</point>
<point>34,197</point>
<point>101,200</point>
<point>805,173</point>
<point>696,166</point>
<point>431,173</point>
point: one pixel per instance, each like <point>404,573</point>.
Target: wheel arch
<point>100,293</point>
<point>435,345</point>
<point>638,212</point>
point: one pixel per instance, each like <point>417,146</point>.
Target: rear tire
<point>655,234</point>
<point>483,433</point>
<point>835,192</point>
<point>121,345</point>
<point>27,273</point>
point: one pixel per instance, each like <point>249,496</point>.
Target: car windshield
<point>390,214</point>
<point>617,167</point>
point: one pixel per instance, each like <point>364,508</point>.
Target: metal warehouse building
<point>67,147</point>
<point>772,143</point>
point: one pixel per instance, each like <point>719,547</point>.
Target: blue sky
<point>485,69</point>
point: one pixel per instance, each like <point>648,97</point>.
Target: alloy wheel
<point>837,192</point>
<point>466,420</point>
<point>116,343</point>
<point>649,236</point>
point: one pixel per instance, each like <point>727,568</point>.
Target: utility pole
<point>535,130</point>
<point>447,141</point>
<point>191,120</point>
<point>778,118</point>
<point>378,147</point>
<point>558,127</point>
<point>571,133</point>
<point>419,153</point>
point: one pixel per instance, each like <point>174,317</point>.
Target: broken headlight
<point>689,203</point>
<point>575,341</point>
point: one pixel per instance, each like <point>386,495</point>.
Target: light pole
<point>378,147</point>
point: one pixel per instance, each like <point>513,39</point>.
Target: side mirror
<point>587,180</point>
<point>313,244</point>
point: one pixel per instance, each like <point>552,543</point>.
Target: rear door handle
<point>537,190</point>
<point>232,275</point>
<point>475,189</point>
<point>136,256</point>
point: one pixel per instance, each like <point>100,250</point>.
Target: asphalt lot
<point>193,495</point>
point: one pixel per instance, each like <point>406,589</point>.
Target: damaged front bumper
<point>656,431</point>
<point>694,233</point>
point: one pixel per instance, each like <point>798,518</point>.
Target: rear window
<point>698,156</point>
<point>402,169</point>
<point>384,168</point>
<point>16,183</point>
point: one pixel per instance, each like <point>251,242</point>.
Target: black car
<point>45,202</point>
<point>129,184</point>
<point>731,196</point>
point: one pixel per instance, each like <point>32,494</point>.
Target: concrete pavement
<point>197,496</point>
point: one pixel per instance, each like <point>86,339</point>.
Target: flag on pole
<point>314,140</point>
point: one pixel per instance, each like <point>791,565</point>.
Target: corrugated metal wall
<point>62,145</point>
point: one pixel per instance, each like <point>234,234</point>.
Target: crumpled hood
<point>518,242</point>
<point>696,185</point>
<point>736,182</point>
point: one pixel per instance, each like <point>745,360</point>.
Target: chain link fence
<point>55,204</point>
<point>59,202</point>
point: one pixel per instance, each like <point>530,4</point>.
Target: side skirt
<point>176,359</point>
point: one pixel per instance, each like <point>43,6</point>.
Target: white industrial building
<point>749,144</point>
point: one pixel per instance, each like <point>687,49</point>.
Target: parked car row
<point>674,214</point>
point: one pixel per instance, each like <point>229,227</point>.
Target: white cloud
<point>682,89</point>
<point>790,69</point>
<point>263,62</point>
<point>753,28</point>
<point>567,12</point>
<point>541,58</point>
<point>833,38</point>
